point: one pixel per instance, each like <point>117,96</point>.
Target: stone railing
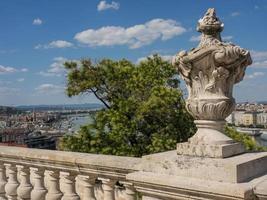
<point>44,174</point>
<point>52,175</point>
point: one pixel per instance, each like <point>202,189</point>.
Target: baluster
<point>88,183</point>
<point>108,188</point>
<point>12,183</point>
<point>68,186</point>
<point>39,191</point>
<point>130,191</point>
<point>3,181</point>
<point>54,192</point>
<point>98,189</point>
<point>25,187</point>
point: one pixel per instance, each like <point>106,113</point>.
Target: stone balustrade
<point>52,175</point>
<point>45,174</point>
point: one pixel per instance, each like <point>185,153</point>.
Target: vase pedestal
<point>191,177</point>
<point>210,141</point>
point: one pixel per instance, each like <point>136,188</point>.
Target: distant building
<point>3,124</point>
<point>26,138</point>
<point>247,119</point>
<point>236,118</point>
<point>262,118</point>
<point>13,135</point>
<point>40,141</point>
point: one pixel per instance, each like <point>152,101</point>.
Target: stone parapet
<point>45,174</point>
<point>237,169</point>
<point>53,175</point>
<point>161,187</point>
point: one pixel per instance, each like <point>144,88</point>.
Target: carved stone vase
<point>210,72</point>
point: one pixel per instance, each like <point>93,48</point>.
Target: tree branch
<point>99,98</point>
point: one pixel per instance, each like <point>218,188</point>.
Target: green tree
<point>248,142</point>
<point>144,107</point>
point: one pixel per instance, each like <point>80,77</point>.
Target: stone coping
<point>236,169</point>
<point>176,187</point>
<point>81,162</point>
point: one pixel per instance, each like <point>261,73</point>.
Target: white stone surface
<point>237,169</point>
<point>260,189</point>
<point>162,186</point>
<point>207,150</point>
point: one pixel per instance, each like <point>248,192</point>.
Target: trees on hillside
<point>144,107</point>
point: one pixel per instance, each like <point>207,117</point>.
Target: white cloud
<point>5,70</point>
<point>254,75</point>
<point>8,91</point>
<point>37,21</point>
<point>259,59</point>
<point>60,44</point>
<point>39,46</point>
<point>55,44</point>
<point>195,38</point>
<point>24,70</point>
<point>56,68</point>
<point>234,14</point>
<point>20,79</point>
<point>260,64</point>
<point>42,73</point>
<point>164,57</point>
<point>259,55</point>
<point>49,88</point>
<point>103,5</point>
<point>227,38</point>
<point>4,83</point>
<point>134,36</point>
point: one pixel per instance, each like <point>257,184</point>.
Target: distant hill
<point>6,110</point>
<point>85,106</point>
<point>262,102</point>
<point>258,102</point>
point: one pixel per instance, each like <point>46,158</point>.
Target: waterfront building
<point>248,119</point>
<point>2,124</point>
<point>262,118</point>
<point>41,141</point>
<point>235,118</point>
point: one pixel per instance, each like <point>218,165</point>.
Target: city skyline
<point>38,37</point>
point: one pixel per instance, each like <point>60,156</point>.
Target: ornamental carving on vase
<point>211,70</point>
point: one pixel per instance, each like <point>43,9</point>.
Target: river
<point>75,121</point>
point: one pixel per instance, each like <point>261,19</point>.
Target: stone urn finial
<point>210,72</point>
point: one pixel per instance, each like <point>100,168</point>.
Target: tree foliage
<point>246,140</point>
<point>144,107</point>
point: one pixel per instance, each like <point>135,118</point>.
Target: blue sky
<point>38,36</point>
